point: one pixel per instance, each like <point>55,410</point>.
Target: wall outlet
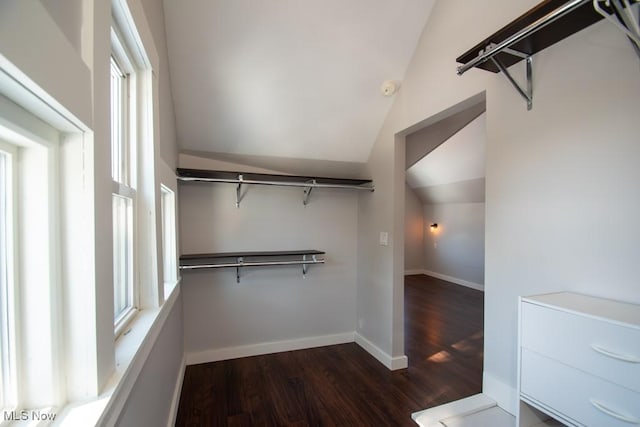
<point>384,238</point>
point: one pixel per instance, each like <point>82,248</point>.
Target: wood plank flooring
<point>343,385</point>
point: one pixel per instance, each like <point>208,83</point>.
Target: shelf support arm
<point>239,191</point>
<point>307,193</point>
<point>527,93</point>
<point>304,267</point>
<point>240,261</point>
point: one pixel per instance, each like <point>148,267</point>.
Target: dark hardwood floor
<point>343,385</point>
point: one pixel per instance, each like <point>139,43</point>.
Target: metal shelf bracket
<point>307,192</point>
<point>526,93</point>
<point>240,261</point>
<point>239,191</point>
<point>305,264</point>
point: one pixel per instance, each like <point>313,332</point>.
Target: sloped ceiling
<point>454,172</point>
<point>287,78</point>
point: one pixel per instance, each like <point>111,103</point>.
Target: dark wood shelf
<point>233,177</point>
<point>240,260</point>
<point>190,259</point>
<point>580,18</point>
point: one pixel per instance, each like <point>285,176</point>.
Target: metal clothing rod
<point>532,28</point>
<point>276,183</point>
<point>249,264</point>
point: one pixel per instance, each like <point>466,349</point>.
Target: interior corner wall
<point>455,250</point>
<point>414,224</point>
<point>562,197</point>
<point>271,307</point>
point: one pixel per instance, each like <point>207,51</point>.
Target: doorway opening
<point>444,250</point>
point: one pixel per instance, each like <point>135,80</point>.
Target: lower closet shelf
<point>251,259</point>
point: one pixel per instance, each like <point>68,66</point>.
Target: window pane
<point>122,255</point>
<point>119,144</point>
<point>168,234</point>
<point>7,395</point>
<point>3,277</point>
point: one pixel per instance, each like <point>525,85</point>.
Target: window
<point>168,206</point>
<point>7,340</point>
<point>123,173</point>
<point>31,373</point>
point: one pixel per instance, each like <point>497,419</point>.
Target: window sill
<point>132,350</point>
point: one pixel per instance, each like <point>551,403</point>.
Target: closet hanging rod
<point>276,183</point>
<point>250,264</point>
<point>520,35</point>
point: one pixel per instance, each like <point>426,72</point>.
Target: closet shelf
<point>240,178</point>
<point>544,25</point>
<point>251,259</point>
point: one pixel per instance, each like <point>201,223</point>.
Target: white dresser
<point>579,361</point>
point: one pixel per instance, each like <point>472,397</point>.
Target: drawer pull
<point>600,407</point>
<point>623,357</point>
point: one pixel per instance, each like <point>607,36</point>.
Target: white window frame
<point>138,183</point>
<point>124,121</point>
<point>8,225</point>
<point>34,309</point>
<point>169,252</point>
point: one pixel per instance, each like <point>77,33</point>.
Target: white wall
<point>562,194</point>
<point>168,148</point>
<point>413,232</point>
<point>151,401</point>
<point>456,248</point>
<point>275,304</point>
<point>60,51</point>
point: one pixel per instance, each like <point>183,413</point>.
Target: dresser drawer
<point>601,348</point>
<point>586,399</point>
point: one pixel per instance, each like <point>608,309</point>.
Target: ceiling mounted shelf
<point>251,259</point>
<point>544,25</point>
<point>241,178</point>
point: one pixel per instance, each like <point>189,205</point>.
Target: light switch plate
<point>384,238</point>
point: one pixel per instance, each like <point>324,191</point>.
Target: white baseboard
<point>267,348</point>
<point>412,272</point>
<point>392,363</point>
<point>451,279</point>
<point>502,393</point>
<point>175,401</point>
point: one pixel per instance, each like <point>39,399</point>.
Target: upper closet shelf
<point>544,25</point>
<point>240,178</point>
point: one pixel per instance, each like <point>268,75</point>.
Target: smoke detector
<point>389,87</point>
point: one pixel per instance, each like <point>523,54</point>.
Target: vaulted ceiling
<point>287,78</point>
<point>454,172</point>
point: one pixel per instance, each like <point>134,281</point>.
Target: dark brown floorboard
<point>342,385</point>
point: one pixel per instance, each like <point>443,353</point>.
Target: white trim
<point>392,363</point>
<point>459,408</point>
<point>504,395</point>
<point>132,352</point>
<point>130,361</point>
<point>227,353</point>
<point>175,401</point>
<point>415,271</point>
<point>455,280</point>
